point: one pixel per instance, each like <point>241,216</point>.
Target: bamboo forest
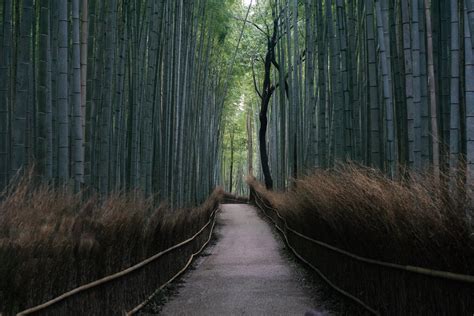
<point>231,157</point>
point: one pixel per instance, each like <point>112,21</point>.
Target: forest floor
<point>246,272</point>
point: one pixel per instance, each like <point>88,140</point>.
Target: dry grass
<point>410,222</point>
<point>358,209</point>
<point>52,241</point>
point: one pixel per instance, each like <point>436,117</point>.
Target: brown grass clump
<point>415,221</point>
<point>358,209</point>
<point>51,241</point>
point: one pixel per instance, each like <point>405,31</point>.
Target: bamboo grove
<point>113,95</point>
<point>385,83</point>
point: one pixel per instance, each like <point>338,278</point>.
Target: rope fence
<point>426,277</point>
<point>300,257</point>
<point>53,306</point>
<point>177,275</point>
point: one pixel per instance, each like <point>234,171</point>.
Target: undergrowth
<point>52,241</point>
<point>413,221</point>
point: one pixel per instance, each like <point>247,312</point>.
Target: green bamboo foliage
<point>386,83</point>
<point>113,95</point>
<point>122,94</point>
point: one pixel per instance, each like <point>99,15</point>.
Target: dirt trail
<point>245,273</point>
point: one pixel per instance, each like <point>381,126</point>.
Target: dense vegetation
<point>365,136</point>
<point>52,241</point>
<point>362,211</point>
<point>110,128</point>
<point>384,83</point>
<point>114,95</point>
<point>370,218</point>
<point>124,110</point>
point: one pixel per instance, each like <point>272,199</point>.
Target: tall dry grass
<point>412,221</point>
<point>52,241</point>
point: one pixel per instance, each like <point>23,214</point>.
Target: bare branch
<point>255,80</point>
<point>254,25</point>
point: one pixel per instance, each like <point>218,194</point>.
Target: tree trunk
<point>63,101</point>
<point>5,96</point>
<point>267,91</point>
<point>44,133</point>
<point>469,100</point>
<point>387,92</point>
<point>84,50</point>
<point>454,135</point>
<point>24,85</point>
<point>432,89</point>
<point>374,117</point>
<point>78,140</point>
<point>250,140</point>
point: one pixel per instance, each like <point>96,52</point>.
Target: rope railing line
<point>414,269</point>
<point>234,201</point>
<point>180,272</point>
<point>117,275</point>
<point>234,198</point>
<point>319,272</point>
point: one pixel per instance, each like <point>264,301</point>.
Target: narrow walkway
<point>245,273</point>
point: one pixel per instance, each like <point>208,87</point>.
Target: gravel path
<point>245,273</point>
